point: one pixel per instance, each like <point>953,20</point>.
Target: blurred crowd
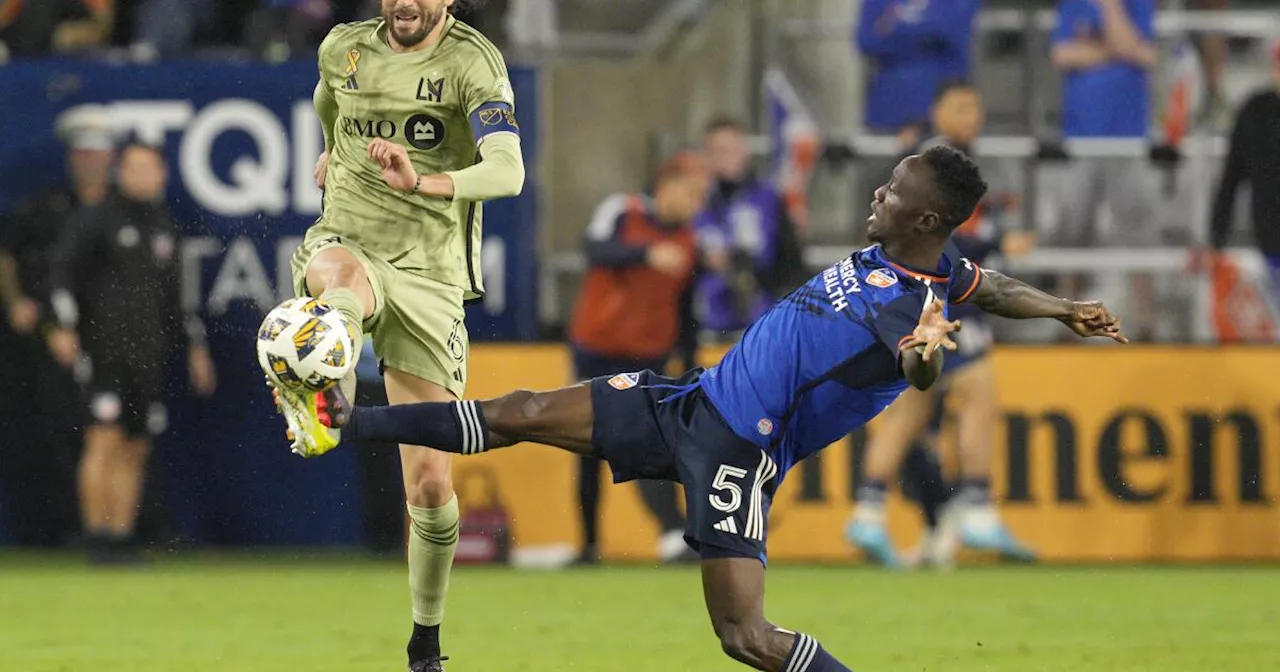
<point>146,30</point>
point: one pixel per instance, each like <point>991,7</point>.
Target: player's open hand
<point>1091,318</point>
<point>934,330</point>
<point>397,170</point>
<point>322,169</point>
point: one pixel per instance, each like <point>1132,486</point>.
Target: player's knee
<point>334,268</point>
<point>742,641</point>
<point>431,488</point>
<point>520,412</point>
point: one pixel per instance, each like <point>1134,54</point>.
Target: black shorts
<point>651,426</point>
<point>128,395</point>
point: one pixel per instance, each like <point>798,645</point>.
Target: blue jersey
<point>825,360</point>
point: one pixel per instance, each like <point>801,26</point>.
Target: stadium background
<point>1154,473</point>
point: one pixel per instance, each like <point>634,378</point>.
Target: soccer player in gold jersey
<point>419,127</point>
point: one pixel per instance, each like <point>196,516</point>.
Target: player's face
<point>142,175</point>
<point>899,205</point>
<point>410,21</point>
<point>959,115</point>
<point>726,151</point>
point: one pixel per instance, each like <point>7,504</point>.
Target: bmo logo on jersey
<point>368,128</point>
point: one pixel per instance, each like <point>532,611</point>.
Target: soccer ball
<point>306,344</point>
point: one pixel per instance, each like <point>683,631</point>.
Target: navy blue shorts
<point>651,426</point>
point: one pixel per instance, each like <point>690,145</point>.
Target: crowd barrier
<point>1105,454</point>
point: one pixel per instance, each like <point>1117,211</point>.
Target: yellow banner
<point>1106,454</point>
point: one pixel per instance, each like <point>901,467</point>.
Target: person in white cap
<point>39,477</point>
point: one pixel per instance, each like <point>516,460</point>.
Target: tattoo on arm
<point>1002,295</point>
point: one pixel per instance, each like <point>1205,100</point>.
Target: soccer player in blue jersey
<point>823,361</point>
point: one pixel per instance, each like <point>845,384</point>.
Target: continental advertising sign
<point>1105,454</point>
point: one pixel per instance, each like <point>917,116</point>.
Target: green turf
<point>351,615</point>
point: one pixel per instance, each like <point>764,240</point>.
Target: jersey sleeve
<point>897,319</point>
<point>322,98</point>
<point>486,94</point>
<point>966,276</point>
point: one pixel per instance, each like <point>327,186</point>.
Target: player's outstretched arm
<point>562,418</point>
<point>1002,295</point>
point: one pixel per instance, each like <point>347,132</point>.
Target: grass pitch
<point>322,615</point>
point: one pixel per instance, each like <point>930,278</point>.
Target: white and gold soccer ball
<point>306,344</point>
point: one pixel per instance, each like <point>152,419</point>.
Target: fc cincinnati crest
<point>625,381</point>
<point>882,277</point>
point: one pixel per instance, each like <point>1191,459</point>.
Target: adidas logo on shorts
<point>727,525</point>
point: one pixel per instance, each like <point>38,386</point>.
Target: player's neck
<point>432,39</point>
<point>917,255</point>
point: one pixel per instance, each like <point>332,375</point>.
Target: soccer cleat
<point>314,418</point>
<point>982,530</point>
<point>873,540</point>
<point>429,665</point>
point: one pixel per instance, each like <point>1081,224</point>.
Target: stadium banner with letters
<point>1105,454</point>
<point>242,141</point>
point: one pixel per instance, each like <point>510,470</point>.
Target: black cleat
<point>429,665</point>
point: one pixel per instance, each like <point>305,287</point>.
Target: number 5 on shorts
<point>722,484</point>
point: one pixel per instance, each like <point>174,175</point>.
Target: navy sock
<point>454,427</point>
<point>871,491</point>
<point>976,490</point>
<point>807,655</point>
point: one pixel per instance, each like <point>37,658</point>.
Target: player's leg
<point>977,416</point>
<point>588,365</point>
<point>433,518</point>
<point>103,445</point>
<point>661,497</point>
<point>421,341</point>
<point>562,418</point>
<point>105,441</point>
<point>899,427</point>
<point>589,508</point>
<point>922,471</point>
<point>340,276</point>
<point>734,592</point>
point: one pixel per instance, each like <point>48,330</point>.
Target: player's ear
<point>929,222</point>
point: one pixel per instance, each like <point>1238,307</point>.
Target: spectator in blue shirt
<point>914,46</point>
<point>1106,50</point>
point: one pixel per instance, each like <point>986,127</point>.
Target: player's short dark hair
<point>957,181</point>
<point>724,122</point>
<point>954,85</point>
